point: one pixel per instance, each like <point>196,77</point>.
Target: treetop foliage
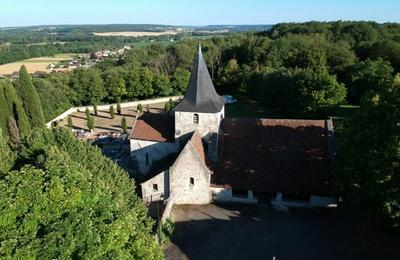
<point>64,193</point>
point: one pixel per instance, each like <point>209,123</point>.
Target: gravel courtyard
<point>244,232</point>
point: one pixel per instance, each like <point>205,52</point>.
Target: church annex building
<point>195,155</point>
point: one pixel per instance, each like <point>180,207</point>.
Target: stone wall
<point>155,150</point>
<point>150,194</point>
<point>107,106</point>
<point>313,202</point>
<point>220,194</point>
<point>187,166</point>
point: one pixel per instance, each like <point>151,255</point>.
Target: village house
<point>194,155</point>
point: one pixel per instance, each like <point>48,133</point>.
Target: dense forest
<point>293,70</point>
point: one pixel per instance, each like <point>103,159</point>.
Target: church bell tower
<point>201,109</point>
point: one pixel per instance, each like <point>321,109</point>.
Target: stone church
<point>195,155</point>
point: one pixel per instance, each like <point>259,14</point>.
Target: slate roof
<point>158,127</point>
<point>200,95</point>
<point>274,155</point>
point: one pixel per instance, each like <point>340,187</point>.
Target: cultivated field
<point>135,34</point>
<point>35,64</point>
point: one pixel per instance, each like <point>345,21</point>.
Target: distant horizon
<point>192,13</point>
<point>191,25</point>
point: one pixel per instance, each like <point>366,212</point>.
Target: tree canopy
<point>66,194</point>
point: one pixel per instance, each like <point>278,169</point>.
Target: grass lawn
<point>245,107</point>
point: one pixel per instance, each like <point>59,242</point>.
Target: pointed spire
<point>200,95</point>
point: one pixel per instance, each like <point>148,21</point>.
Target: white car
<point>229,99</point>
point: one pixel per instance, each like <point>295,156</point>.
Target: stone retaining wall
<point>107,106</point>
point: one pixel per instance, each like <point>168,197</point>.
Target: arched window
<point>196,119</point>
<point>191,181</point>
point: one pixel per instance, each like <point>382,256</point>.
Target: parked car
<point>229,99</point>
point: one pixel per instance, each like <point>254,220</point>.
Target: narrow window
<point>191,182</point>
<point>155,187</point>
<point>196,119</point>
<point>147,159</point>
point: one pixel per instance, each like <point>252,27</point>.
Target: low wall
<point>225,195</point>
<point>107,106</point>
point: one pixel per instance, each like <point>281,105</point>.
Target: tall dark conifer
<point>14,133</point>
<point>15,108</point>
<point>30,99</point>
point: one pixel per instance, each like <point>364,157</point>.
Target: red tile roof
<point>273,155</point>
<point>154,127</point>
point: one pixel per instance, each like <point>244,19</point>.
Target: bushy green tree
<point>30,99</point>
<point>369,159</point>
<point>297,92</point>
<point>162,85</point>
<point>367,76</point>
<point>88,85</point>
<point>72,202</point>
<point>114,84</point>
<point>112,112</point>
<point>180,80</point>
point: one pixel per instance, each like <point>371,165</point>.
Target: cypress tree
<point>112,112</point>
<point>14,133</point>
<point>4,112</point>
<point>124,125</point>
<point>15,108</point>
<point>90,123</point>
<point>70,125</point>
<point>7,157</point>
<point>30,99</point>
<point>87,112</point>
<point>140,108</point>
<point>95,109</point>
<point>119,109</point>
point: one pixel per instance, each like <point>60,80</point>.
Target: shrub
<point>119,109</point>
<point>87,112</point>
<point>124,125</point>
<point>112,112</point>
<point>140,108</point>
<point>90,123</point>
<point>70,125</point>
